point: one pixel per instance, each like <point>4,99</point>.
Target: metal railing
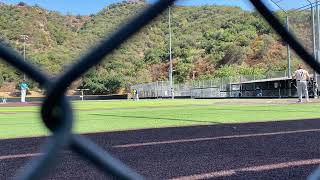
<point>57,112</point>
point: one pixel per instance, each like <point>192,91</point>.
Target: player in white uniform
<point>302,76</point>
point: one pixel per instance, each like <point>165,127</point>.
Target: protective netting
<point>300,17</point>
<point>294,44</point>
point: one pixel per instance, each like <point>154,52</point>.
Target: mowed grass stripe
<point>124,115</point>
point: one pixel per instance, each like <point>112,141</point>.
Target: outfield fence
<point>213,88</point>
<point>57,113</point>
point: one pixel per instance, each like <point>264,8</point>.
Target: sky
<point>87,7</point>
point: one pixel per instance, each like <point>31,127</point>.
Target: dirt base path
<point>19,104</point>
<point>266,101</point>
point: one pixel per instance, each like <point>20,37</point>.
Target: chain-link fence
<point>271,84</point>
<point>153,90</point>
<point>218,87</point>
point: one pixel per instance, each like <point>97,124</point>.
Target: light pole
<point>318,35</point>
<point>288,48</point>
<point>170,56</point>
<point>24,51</point>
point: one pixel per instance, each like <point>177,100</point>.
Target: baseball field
<point>103,116</point>
<point>177,139</point>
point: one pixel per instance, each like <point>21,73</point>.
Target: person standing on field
<point>23,87</point>
<point>134,92</point>
<point>302,76</point>
<point>137,95</point>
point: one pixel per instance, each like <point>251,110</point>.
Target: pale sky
<point>86,7</point>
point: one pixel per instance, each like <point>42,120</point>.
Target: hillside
<point>215,41</point>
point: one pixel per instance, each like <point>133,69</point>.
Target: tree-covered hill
<point>214,41</point>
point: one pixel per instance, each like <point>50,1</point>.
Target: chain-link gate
<point>57,112</point>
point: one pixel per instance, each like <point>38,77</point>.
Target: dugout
<point>274,87</point>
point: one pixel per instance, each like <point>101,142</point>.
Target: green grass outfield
<point>102,116</point>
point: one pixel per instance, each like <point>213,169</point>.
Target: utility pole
<point>170,56</point>
<point>318,35</point>
<point>288,48</point>
<point>24,51</point>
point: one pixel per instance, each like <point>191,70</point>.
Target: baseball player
<point>24,87</point>
<point>134,94</point>
<point>302,76</point>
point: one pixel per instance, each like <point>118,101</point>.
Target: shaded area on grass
<point>157,118</point>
